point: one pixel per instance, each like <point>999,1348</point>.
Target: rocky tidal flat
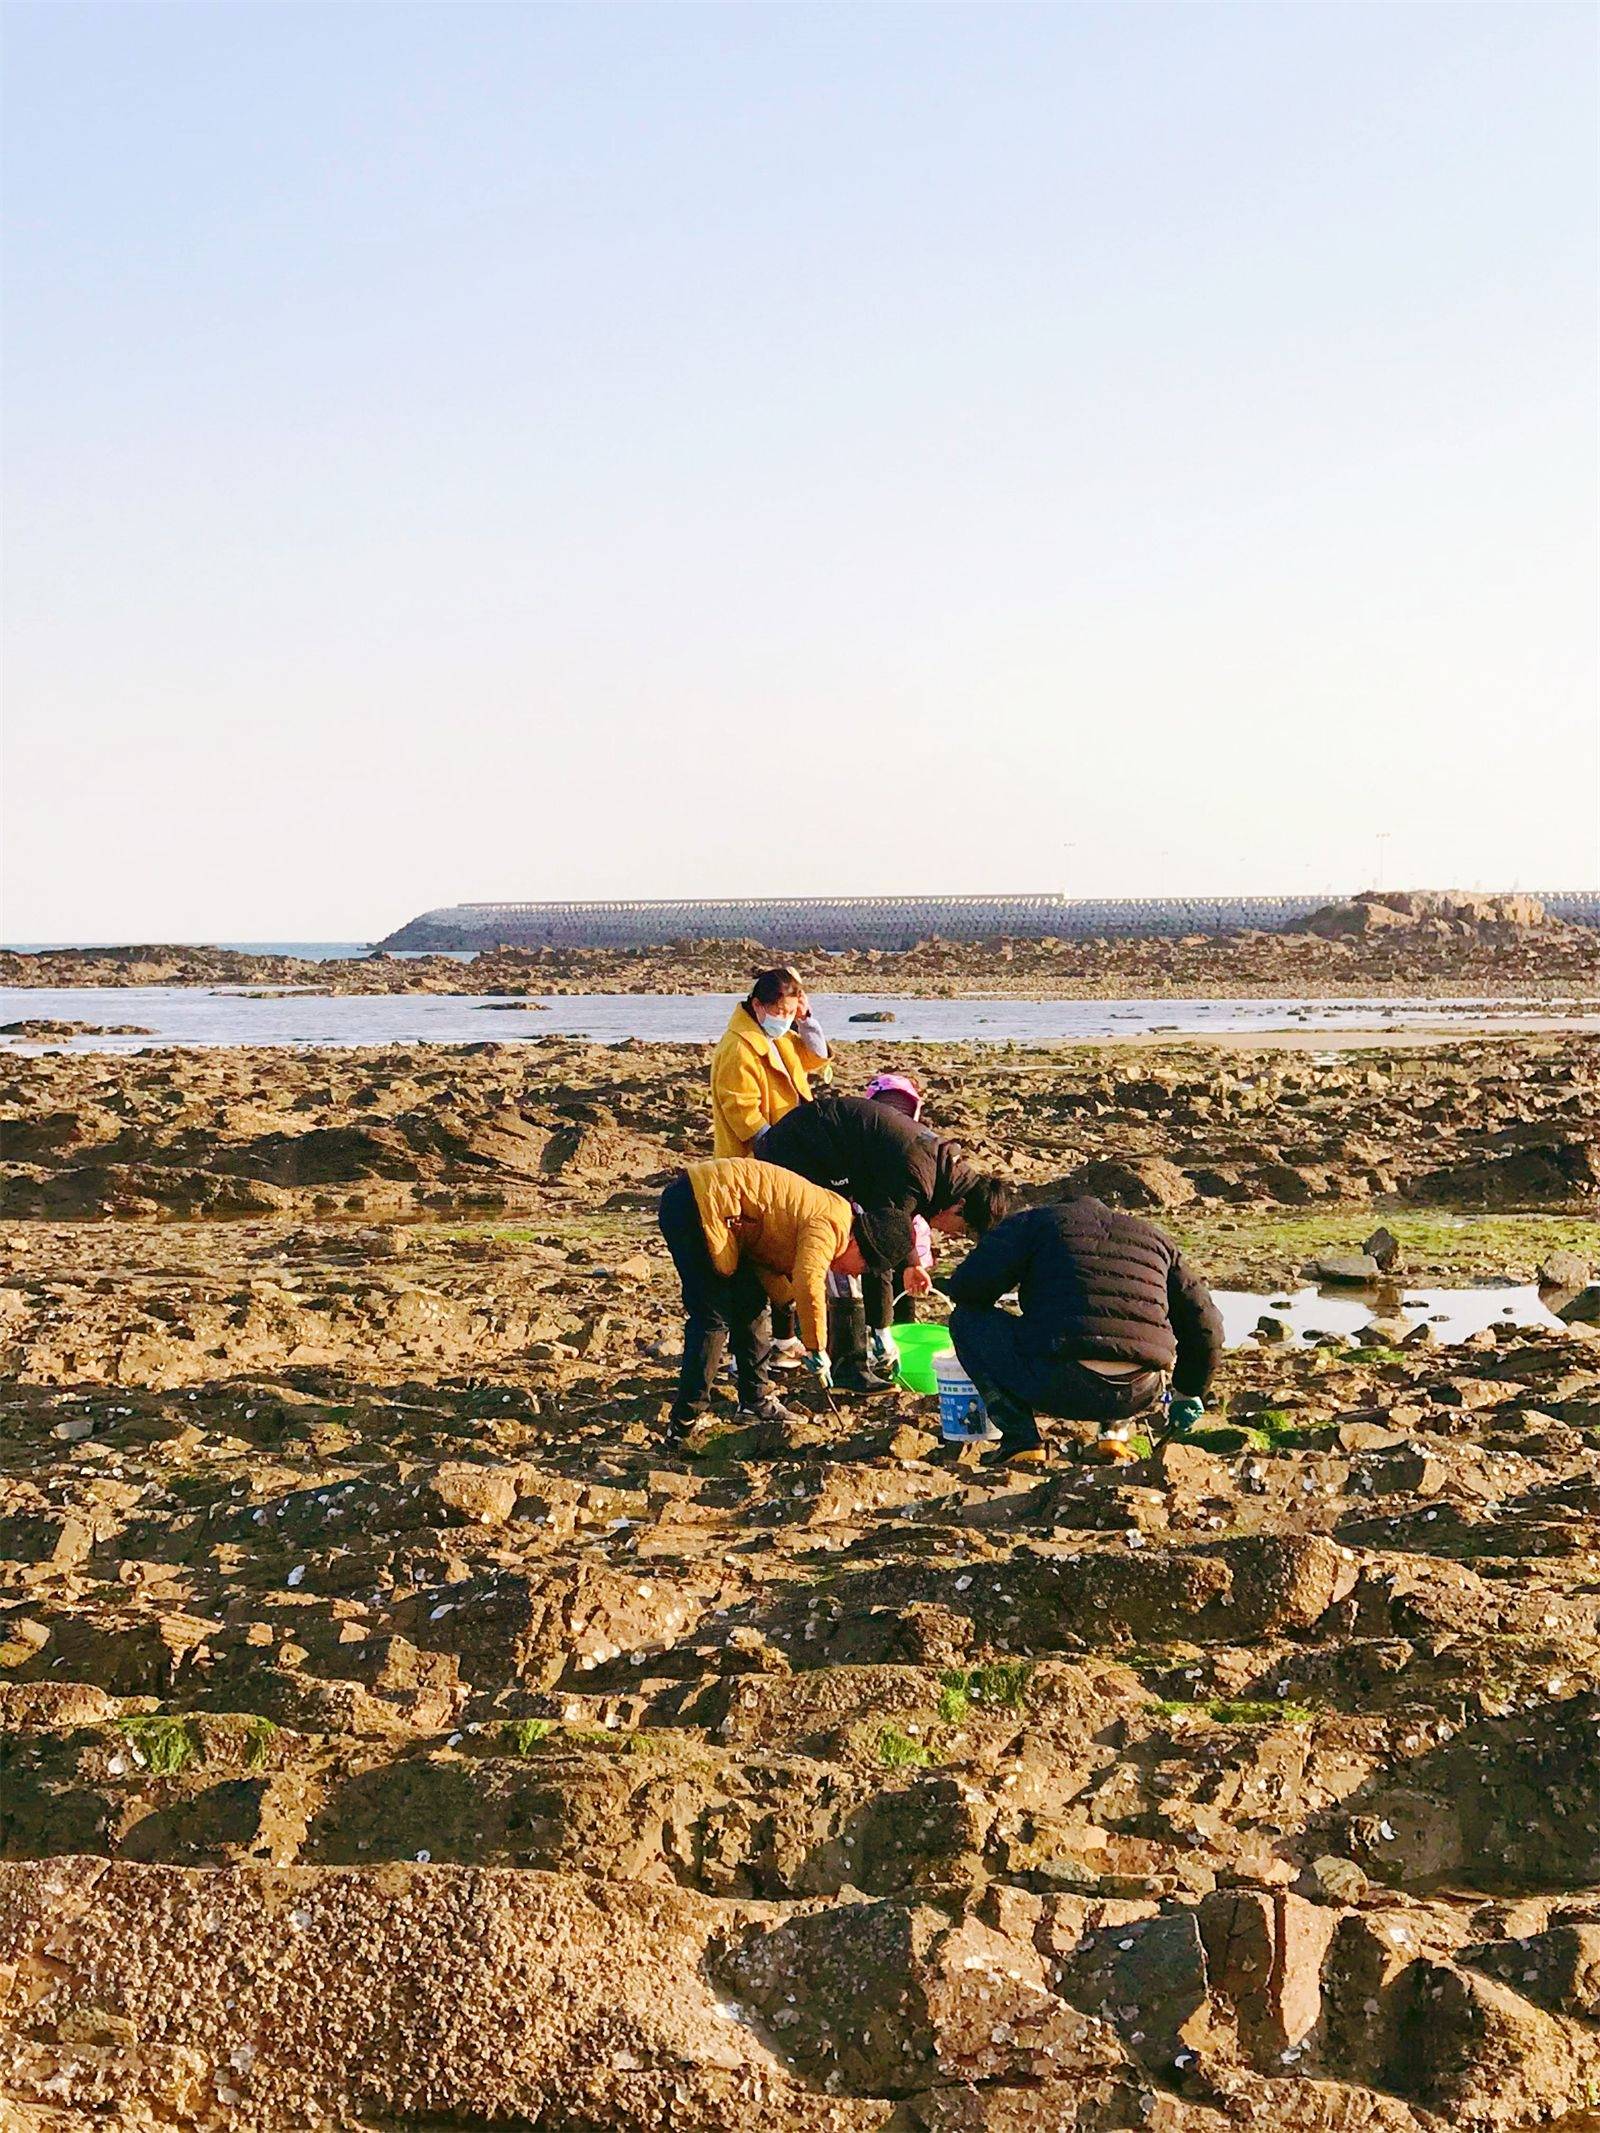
<point>398,1730</point>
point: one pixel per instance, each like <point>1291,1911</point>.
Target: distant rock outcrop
<point>1398,910</point>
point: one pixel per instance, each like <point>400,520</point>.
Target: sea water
<point>236,1014</point>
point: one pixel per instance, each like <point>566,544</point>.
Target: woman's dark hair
<point>774,985</point>
<point>884,1235</point>
<point>985,1203</point>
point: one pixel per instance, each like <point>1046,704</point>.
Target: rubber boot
<point>853,1368</point>
<point>1020,1443</point>
<point>704,1346</point>
<point>769,1408</point>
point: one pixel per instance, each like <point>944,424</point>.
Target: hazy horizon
<point>473,452</point>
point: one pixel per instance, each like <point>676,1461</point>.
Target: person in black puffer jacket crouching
<point>1110,1310</point>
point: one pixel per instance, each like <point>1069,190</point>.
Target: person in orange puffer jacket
<point>742,1232</point>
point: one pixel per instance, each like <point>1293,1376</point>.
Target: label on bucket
<point>963,1419</point>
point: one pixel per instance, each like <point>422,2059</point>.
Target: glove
<point>881,1348</point>
<point>820,1368</point>
<point>1183,1414</point>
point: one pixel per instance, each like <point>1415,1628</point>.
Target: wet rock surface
<point>398,1728</point>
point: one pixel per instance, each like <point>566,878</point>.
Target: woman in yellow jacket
<point>741,1232</point>
<point>761,1070</point>
<point>764,1063</point>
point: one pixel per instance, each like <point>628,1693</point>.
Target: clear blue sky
<point>461,451</point>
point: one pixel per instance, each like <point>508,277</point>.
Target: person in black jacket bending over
<point>878,1157</point>
<point>1110,1309</point>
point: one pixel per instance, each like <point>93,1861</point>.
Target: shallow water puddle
<point>1454,1314</point>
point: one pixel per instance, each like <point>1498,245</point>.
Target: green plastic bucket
<point>918,1345</point>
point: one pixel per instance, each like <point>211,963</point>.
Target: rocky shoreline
<point>1433,956</point>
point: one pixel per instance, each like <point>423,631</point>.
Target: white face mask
<point>776,1025</point>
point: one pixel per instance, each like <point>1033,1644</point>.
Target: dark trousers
<point>717,1307</point>
<point>885,1306</point>
<point>1018,1379</point>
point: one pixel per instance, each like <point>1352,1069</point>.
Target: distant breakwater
<point>885,922</point>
